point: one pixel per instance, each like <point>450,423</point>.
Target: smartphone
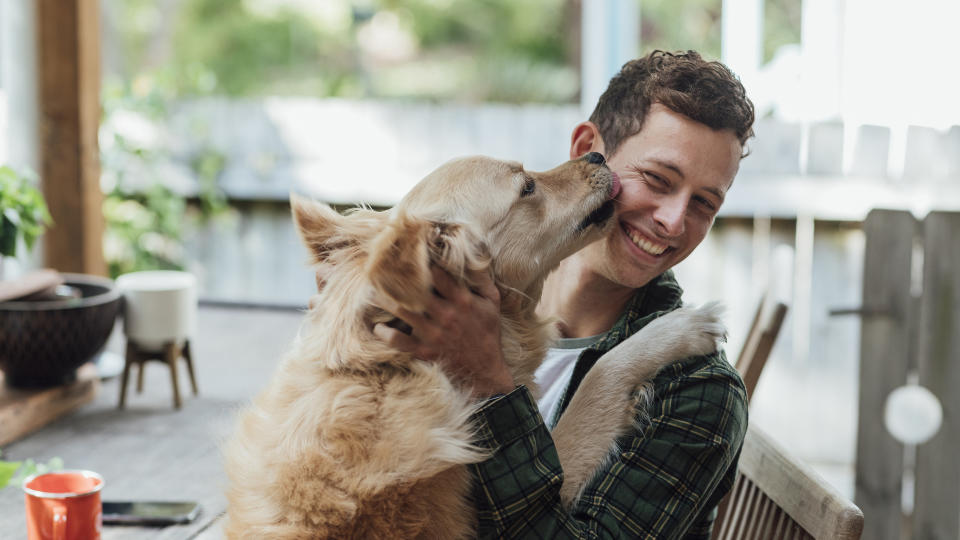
<point>149,512</point>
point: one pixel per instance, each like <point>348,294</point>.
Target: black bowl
<point>43,342</point>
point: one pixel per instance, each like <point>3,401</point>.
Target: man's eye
<point>655,181</point>
<point>528,188</point>
<point>706,204</point>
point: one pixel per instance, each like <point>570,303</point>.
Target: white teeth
<point>646,245</point>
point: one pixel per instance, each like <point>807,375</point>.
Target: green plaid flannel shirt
<point>668,477</point>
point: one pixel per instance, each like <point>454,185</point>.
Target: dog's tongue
<point>615,186</point>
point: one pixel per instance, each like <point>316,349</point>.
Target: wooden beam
<point>68,73</point>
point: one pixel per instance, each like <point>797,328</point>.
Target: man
<point>673,128</point>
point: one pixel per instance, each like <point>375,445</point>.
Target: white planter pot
<point>160,307</point>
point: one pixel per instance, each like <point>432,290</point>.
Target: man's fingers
<point>395,338</point>
<point>414,320</point>
<point>454,291</point>
<point>484,285</point>
<point>403,342</point>
<point>448,287</point>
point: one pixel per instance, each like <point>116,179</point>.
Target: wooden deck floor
<point>150,451</point>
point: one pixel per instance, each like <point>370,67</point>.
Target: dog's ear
<point>321,228</point>
<point>399,262</point>
<point>458,248</point>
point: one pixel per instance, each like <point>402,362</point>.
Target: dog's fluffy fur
<point>353,439</point>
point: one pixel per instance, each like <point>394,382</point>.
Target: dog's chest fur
<point>360,454</point>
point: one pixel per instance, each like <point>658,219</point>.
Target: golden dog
<point>353,439</point>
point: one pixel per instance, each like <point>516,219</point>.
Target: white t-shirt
<point>554,373</point>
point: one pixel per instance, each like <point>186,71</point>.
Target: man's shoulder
<point>707,391</point>
<point>712,369</point>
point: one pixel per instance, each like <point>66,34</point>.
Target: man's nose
<point>670,215</point>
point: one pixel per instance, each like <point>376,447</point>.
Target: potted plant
<point>25,214</point>
<point>45,338</point>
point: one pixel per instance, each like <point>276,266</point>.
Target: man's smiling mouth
<point>645,244</point>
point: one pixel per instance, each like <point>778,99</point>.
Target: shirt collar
<point>655,298</point>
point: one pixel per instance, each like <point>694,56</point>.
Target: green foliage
<point>781,25</point>
<point>13,473</point>
<point>477,50</point>
<point>531,30</point>
<point>696,24</point>
<point>248,52</point>
<point>145,218</point>
<point>492,50</point>
<point>144,230</point>
<point>207,164</point>
<point>25,214</point>
<point>244,48</point>
<point>673,25</point>
<point>7,470</point>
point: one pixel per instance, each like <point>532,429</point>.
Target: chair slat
<point>778,497</point>
<point>748,495</point>
<point>735,509</point>
<point>761,531</point>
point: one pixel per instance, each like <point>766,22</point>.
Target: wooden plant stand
<point>169,354</point>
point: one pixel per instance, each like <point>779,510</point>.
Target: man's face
<point>674,174</point>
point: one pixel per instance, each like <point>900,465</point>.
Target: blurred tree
<point>472,51</point>
<point>695,24</point>
<point>681,25</point>
<point>781,25</point>
<point>477,50</point>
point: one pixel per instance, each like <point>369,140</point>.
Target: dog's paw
<point>689,331</point>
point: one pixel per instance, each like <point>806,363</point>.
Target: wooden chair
<point>778,497</point>
<point>762,335</point>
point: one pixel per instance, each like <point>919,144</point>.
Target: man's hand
<point>460,330</point>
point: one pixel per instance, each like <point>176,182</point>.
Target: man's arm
<point>663,482</point>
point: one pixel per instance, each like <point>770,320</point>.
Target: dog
<point>353,439</point>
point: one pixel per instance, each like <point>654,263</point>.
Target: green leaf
<point>25,213</point>
<point>7,469</point>
<point>55,464</point>
<point>8,238</point>
<point>12,215</point>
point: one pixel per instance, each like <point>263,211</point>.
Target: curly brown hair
<point>707,92</point>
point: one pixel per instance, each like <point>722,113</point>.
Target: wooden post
<point>885,348</point>
<point>938,471</point>
<point>68,72</point>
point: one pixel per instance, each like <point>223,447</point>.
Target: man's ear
<point>317,225</point>
<point>399,262</point>
<point>586,138</point>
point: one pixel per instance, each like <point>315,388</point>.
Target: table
<point>150,451</point>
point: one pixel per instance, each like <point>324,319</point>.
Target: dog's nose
<point>595,157</point>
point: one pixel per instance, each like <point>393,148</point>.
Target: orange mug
<point>64,505</point>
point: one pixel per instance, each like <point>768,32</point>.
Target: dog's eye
<point>528,187</point>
